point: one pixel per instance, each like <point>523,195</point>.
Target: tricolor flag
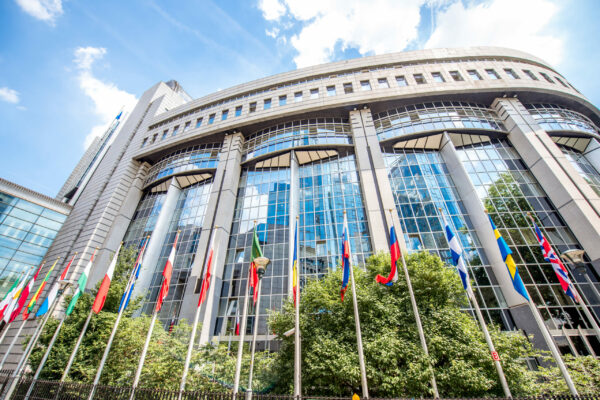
<point>255,252</point>
<point>557,265</point>
<point>135,273</point>
<point>172,323</point>
<point>295,266</point>
<point>105,285</point>
<point>167,272</point>
<point>395,256</point>
<point>8,298</point>
<point>23,297</point>
<point>15,299</point>
<point>457,255</point>
<point>38,292</point>
<point>207,273</point>
<point>81,282</point>
<point>237,321</point>
<point>513,271</point>
<point>53,294</point>
<point>345,259</point>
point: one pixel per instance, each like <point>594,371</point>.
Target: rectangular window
<point>401,80</point>
<point>198,122</point>
<point>238,111</point>
<point>383,83</point>
<point>297,97</point>
<point>331,90</point>
<point>365,85</point>
<point>474,75</point>
<point>144,142</point>
<point>224,115</point>
<point>154,137</point>
<point>492,74</point>
<point>282,100</point>
<point>510,72</point>
<point>211,118</point>
<point>266,104</point>
<point>419,78</point>
<point>175,130</point>
<point>456,76</point>
<point>560,81</point>
<point>546,77</point>
<point>530,74</point>
<point>187,125</point>
<point>165,134</point>
<point>314,93</point>
<point>252,107</point>
<point>348,88</point>
<point>437,77</point>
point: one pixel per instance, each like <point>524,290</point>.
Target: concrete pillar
<point>571,195</point>
<point>375,184</point>
<point>157,239</point>
<point>519,309</point>
<point>219,212</point>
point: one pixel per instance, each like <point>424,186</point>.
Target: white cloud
<point>273,32</point>
<point>9,95</point>
<point>508,23</point>
<point>272,9</point>
<point>107,97</point>
<point>46,10</point>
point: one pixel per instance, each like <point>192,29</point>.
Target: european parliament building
<point>463,130</point>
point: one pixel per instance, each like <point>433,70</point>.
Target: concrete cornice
<point>34,197</point>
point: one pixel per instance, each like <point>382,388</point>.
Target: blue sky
<point>68,66</point>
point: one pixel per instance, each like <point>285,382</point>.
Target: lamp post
<point>261,267</point>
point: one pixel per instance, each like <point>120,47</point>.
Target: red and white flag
<point>103,291</point>
<point>167,272</point>
<point>207,274</point>
<point>24,295</point>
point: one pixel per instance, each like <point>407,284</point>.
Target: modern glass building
<point>464,130</point>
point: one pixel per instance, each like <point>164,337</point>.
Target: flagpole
<point>12,343</point>
<point>140,366</point>
<point>254,333</point>
<point>361,357</point>
<point>297,343</point>
<point>413,302</point>
<point>76,348</point>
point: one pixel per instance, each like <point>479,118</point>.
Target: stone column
<point>571,195</point>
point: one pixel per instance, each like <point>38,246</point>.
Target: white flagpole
<point>77,344</point>
<point>361,357</point>
<point>140,366</point>
<point>413,302</point>
<point>14,340</point>
<point>297,342</point>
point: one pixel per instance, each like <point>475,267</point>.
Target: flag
<point>81,282</point>
<point>395,255</point>
<point>167,272</point>
<point>135,273</point>
<point>295,266</point>
<point>513,271</point>
<point>119,115</point>
<point>559,269</point>
<point>345,259</point>
<point>237,322</point>
<point>206,280</point>
<point>255,252</point>
<point>53,294</point>
<point>457,255</point>
<point>15,299</point>
<point>23,297</point>
<point>105,285</point>
<point>38,292</point>
<point>9,296</point>
<point>172,323</point>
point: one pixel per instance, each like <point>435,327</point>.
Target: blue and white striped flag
<point>457,254</point>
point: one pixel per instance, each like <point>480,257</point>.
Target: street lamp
<point>261,267</point>
<point>575,257</point>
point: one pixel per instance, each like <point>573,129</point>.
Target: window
<point>224,115</point>
<point>238,111</point>
<point>175,130</point>
<point>165,134</point>
<point>365,85</point>
<point>530,74</point>
<point>348,88</point>
<point>511,73</point>
<point>437,77</point>
<point>560,81</point>
<point>419,78</point>
<point>492,74</point>
<point>401,80</point>
<point>252,107</point>
<point>474,75</point>
<point>187,125</point>
<point>282,100</point>
<point>330,90</point>
<point>314,93</point>
<point>383,83</point>
<point>297,97</point>
<point>211,118</point>
<point>154,137</point>
<point>266,104</point>
<point>144,142</point>
<point>456,76</point>
<point>198,122</point>
<point>546,77</point>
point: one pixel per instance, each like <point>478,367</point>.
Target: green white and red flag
<point>81,282</point>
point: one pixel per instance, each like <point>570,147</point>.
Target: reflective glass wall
<point>583,167</point>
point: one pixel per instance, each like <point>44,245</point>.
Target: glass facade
<point>583,166</point>
<point>26,232</point>
<point>144,219</point>
<point>198,157</point>
<point>551,117</point>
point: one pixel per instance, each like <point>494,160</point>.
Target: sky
<point>68,66</point>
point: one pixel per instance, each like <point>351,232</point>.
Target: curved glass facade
<point>144,219</point>
<point>316,131</point>
<point>438,115</point>
<point>551,117</point>
<point>189,159</point>
<point>583,166</point>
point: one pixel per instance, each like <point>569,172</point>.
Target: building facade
<point>389,139</point>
